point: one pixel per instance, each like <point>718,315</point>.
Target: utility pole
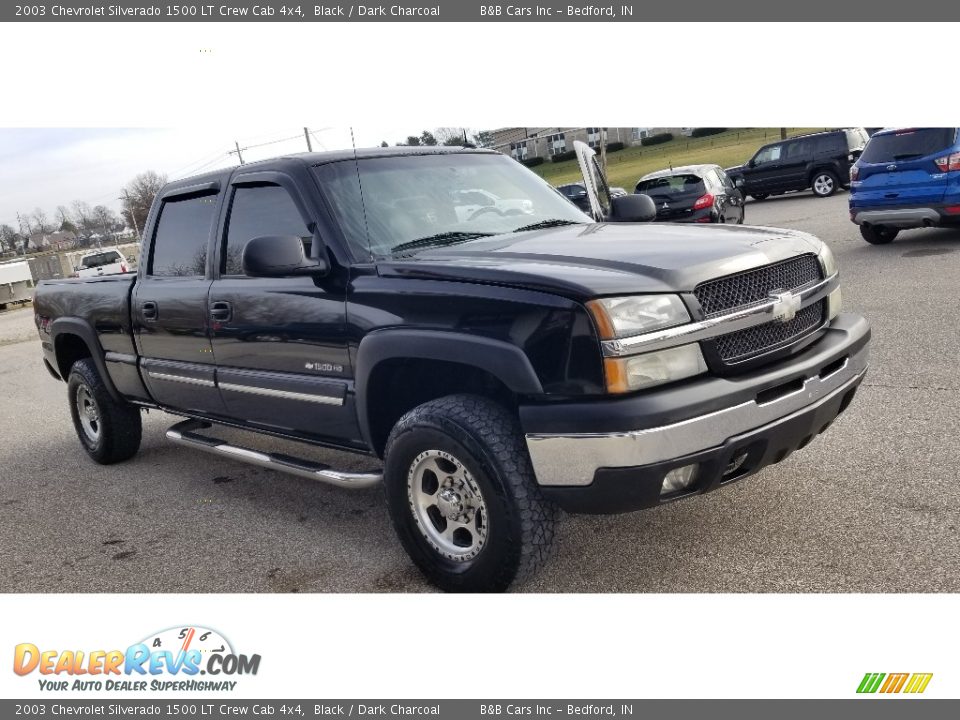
<point>133,217</point>
<point>236,152</point>
<point>306,134</point>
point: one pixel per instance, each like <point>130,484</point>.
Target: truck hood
<point>584,261</point>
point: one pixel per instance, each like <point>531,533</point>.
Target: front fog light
<point>655,368</point>
<point>834,304</point>
<point>679,479</point>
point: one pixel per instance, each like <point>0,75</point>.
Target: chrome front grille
<point>735,292</point>
<point>754,287</point>
<point>743,344</point>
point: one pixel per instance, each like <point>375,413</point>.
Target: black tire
<point>743,215</point>
<point>878,234</point>
<point>115,435</point>
<point>824,183</point>
<point>486,440</point>
<point>760,196</point>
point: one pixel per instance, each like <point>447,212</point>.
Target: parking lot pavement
<point>873,505</point>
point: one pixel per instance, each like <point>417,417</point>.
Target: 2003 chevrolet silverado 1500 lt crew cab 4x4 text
<point>502,365</point>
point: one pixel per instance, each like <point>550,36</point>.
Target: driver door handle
<point>149,310</point>
<point>221,311</point>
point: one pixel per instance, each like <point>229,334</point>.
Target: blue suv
<point>906,178</point>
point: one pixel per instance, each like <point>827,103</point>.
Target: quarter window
<point>180,242</point>
<point>257,211</point>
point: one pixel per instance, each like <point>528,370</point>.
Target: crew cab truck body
<point>500,367</point>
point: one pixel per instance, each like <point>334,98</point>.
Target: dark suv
<point>820,162</point>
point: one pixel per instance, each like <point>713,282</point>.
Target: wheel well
<point>69,348</point>
<point>398,385</point>
<point>822,168</point>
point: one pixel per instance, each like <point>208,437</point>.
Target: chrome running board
<point>184,433</point>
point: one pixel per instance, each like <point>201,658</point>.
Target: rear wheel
<point>463,497</point>
<point>878,234</point>
<point>109,430</point>
<point>824,183</point>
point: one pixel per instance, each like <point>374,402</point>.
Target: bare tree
<point>65,221</point>
<point>138,195</point>
<point>8,238</point>
<point>106,219</point>
<point>83,215</point>
<point>43,224</point>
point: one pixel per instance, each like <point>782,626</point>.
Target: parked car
<point>577,194</point>
<point>820,162</point>
<point>693,193</point>
<point>472,202</point>
<point>500,367</point>
<point>102,262</point>
<point>906,178</point>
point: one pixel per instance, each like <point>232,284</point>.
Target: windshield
<point>907,144</point>
<point>101,259</point>
<point>672,185</point>
<point>412,202</point>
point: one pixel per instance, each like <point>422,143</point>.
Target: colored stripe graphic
<point>870,682</point>
<point>918,683</point>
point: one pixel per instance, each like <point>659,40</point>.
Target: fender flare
<point>86,332</point>
<point>507,362</point>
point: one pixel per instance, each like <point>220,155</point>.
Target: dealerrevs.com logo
<point>172,659</point>
<point>893,683</point>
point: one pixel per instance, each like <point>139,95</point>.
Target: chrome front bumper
<point>572,459</point>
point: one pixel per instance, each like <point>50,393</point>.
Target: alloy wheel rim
<point>823,184</point>
<point>447,505</point>
<point>88,413</point>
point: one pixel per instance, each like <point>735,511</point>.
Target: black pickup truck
<point>503,359</point>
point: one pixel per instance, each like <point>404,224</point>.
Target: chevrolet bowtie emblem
<point>785,305</point>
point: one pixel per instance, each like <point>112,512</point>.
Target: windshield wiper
<point>543,224</point>
<point>439,240</point>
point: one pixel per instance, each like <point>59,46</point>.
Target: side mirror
<point>279,256</point>
<point>752,163</point>
<point>632,208</point>
<point>738,182</point>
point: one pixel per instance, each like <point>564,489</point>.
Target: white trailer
<point>16,283</point>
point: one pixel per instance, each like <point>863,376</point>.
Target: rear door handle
<point>221,311</point>
<point>149,310</point>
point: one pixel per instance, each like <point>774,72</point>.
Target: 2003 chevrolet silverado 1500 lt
<point>502,362</point>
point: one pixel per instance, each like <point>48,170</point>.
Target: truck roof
<point>321,158</point>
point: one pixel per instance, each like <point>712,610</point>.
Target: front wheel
<point>108,429</point>
<point>824,184</point>
<point>760,196</point>
<point>463,497</point>
<point>878,234</point>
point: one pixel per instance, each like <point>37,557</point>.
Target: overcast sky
<point>50,167</point>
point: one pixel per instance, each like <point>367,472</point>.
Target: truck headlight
<point>830,268</point>
<point>827,261</point>
<point>621,317</point>
<point>637,372</point>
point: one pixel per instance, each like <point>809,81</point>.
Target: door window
<point>180,241</point>
<point>768,155</point>
<point>257,211</point>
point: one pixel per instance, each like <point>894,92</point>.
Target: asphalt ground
<point>871,506</point>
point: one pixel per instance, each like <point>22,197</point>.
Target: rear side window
<point>908,144</point>
<point>180,242</point>
<point>832,143</point>
<point>257,211</point>
<point>101,259</point>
